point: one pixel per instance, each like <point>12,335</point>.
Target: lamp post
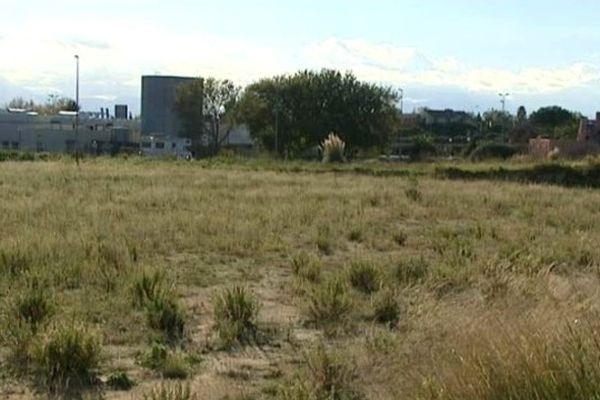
<point>401,101</point>
<point>503,97</point>
<point>77,107</point>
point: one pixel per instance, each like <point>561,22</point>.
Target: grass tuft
<point>235,313</point>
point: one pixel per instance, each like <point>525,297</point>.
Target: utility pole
<point>503,97</point>
<point>401,101</point>
<point>77,108</point>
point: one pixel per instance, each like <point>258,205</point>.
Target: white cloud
<point>404,66</point>
<point>39,56</point>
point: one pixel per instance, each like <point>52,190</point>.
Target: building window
<point>15,145</point>
<point>159,145</point>
<point>146,145</point>
<point>173,145</point>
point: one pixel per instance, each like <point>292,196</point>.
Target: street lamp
<point>401,101</point>
<point>503,97</point>
<point>77,106</point>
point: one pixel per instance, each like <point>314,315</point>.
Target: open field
<point>281,282</point>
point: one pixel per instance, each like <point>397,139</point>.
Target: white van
<point>161,146</point>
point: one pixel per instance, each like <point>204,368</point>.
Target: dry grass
<point>461,258</point>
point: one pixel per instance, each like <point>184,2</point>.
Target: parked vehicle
<point>163,146</point>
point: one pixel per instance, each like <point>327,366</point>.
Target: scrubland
<point>141,279</point>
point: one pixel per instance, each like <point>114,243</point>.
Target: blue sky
<point>452,53</point>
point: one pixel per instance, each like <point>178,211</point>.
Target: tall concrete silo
<point>158,105</point>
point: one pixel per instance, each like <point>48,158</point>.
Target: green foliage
<point>411,271</point>
<point>328,376</point>
<point>530,365</point>
<point>306,267</point>
<point>400,238</point>
<point>386,307</point>
<point>147,288</point>
<point>413,191</point>
<point>170,364</point>
<point>67,356</point>
<point>365,276</point>
<point>14,261</point>
<point>494,151</point>
<point>170,392</point>
<point>34,307</point>
<point>119,380</point>
<point>235,313</point>
<point>329,302</point>
<point>165,315</point>
<point>204,105</point>
<point>325,240</point>
<point>305,106</point>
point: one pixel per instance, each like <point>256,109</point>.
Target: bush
<point>165,315</point>
<point>329,302</point>
<point>386,308</point>
<point>148,288</point>
<point>324,240</point>
<point>493,151</point>
<point>400,238</point>
<point>328,376</point>
<point>411,271</point>
<point>170,364</point>
<point>522,364</point>
<point>33,308</point>
<point>120,381</point>
<point>170,392</point>
<point>235,314</point>
<point>306,267</point>
<point>333,149</point>
<point>14,261</point>
<point>68,356</point>
<point>365,276</point>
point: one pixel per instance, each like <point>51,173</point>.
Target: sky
<point>443,53</point>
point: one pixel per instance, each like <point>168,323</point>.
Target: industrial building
<point>158,105</point>
<point>28,131</point>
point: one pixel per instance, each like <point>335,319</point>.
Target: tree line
<point>291,114</point>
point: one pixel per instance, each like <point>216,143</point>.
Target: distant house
<point>447,116</point>
<point>589,130</point>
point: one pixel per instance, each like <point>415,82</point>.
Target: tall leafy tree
<point>294,112</point>
<point>204,106</point>
<point>556,122</point>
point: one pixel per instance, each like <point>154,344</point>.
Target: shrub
<point>400,238</point>
<point>171,364</point>
<point>306,267</point>
<point>148,288</point>
<point>119,380</point>
<point>328,376</point>
<point>165,315</point>
<point>68,356</point>
<point>170,392</point>
<point>33,308</point>
<point>493,151</point>
<point>522,364</point>
<point>411,271</point>
<point>14,261</point>
<point>412,191</point>
<point>329,302</point>
<point>333,149</point>
<point>356,234</point>
<point>365,276</point>
<point>386,308</point>
<point>235,314</point>
<point>324,240</point>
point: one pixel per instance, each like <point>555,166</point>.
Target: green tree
<point>555,122</point>
<point>293,113</point>
<point>204,106</point>
<point>521,115</point>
